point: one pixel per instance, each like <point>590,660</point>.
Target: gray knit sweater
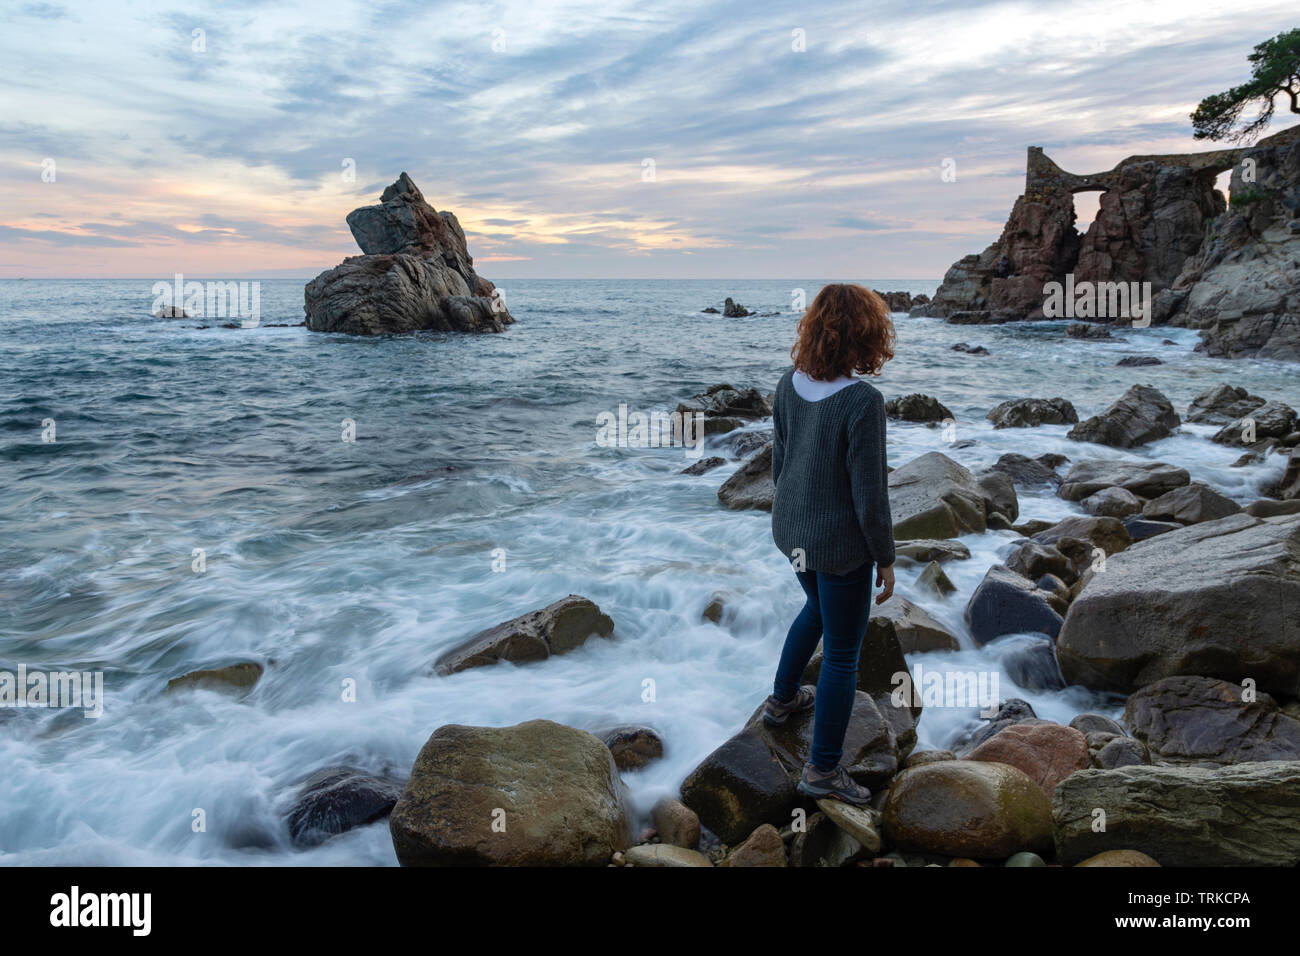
<point>828,465</point>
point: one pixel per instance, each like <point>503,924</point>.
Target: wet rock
<point>934,497</point>
<point>1047,753</point>
<point>910,627</point>
<point>967,808</point>
<point>555,629</point>
<point>1012,711</point>
<point>999,497</point>
<point>665,855</point>
<point>1141,415</point>
<point>1087,330</point>
<point>751,778</point>
<point>1032,666</point>
<point>1242,815</point>
<point>337,799</point>
<point>1137,361</point>
<point>171,312</point>
<point>1190,504</point>
<point>934,582</point>
<point>734,310</point>
<point>1006,603</point>
<point>1032,412</point>
<point>234,678</point>
<point>703,465</point>
<point>633,747</point>
<point>1032,560</point>
<point>535,794</point>
<point>1025,471</point>
<point>1147,479</point>
<point>1112,503</point>
<point>1270,420</point>
<point>1199,719</point>
<point>928,550</point>
<point>860,823</point>
<point>416,275</point>
<point>1122,752</point>
<point>1222,405</point>
<point>763,847</point>
<point>1200,600</point>
<point>727,402</point>
<point>917,408</point>
<point>676,823</point>
<point>751,485</point>
<point>1139,529</point>
<point>970,350</point>
<point>1118,858</point>
<point>1088,723</point>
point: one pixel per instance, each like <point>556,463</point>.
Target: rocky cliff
<point>416,274</point>
<point>1242,287</point>
<point>1232,272</point>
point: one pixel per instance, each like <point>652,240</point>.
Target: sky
<point>581,138</point>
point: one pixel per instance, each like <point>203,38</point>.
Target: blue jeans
<point>836,612</point>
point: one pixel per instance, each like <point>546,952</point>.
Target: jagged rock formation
<point>1242,288</point>
<point>1235,273</point>
<point>415,275</point>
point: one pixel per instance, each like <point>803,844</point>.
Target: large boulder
<point>1023,470</point>
<point>1190,504</point>
<point>338,799</point>
<point>1147,479</point>
<point>750,780</point>
<point>1221,404</point>
<point>1048,753</point>
<point>535,794</point>
<point>1199,719</point>
<point>750,485</point>
<point>917,408</point>
<point>1031,412</point>
<point>555,629</point>
<point>416,274</point>
<point>726,407</point>
<point>1270,420</point>
<point>967,808</point>
<point>1007,603</point>
<point>1217,599</point>
<point>1140,415</point>
<point>1243,815</point>
<point>934,497</point>
<point>914,630</point>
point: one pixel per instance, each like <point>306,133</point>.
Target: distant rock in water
<point>969,349</point>
<point>917,408</point>
<point>415,275</point>
<point>171,312</point>
<point>734,310</point>
<point>1141,415</point>
<point>1087,330</point>
<point>1131,361</point>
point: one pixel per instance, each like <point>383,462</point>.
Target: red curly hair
<point>847,330</point>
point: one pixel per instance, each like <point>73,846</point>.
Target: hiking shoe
<point>837,785</point>
<point>777,712</point>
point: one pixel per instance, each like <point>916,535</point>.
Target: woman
<point>830,516</point>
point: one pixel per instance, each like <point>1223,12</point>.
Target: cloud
<point>534,124</point>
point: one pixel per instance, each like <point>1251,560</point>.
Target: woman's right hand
<point>885,579</point>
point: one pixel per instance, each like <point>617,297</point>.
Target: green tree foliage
<point>1275,70</point>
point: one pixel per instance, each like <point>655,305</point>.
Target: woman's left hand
<point>885,578</point>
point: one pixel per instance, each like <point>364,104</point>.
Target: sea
<point>176,495</point>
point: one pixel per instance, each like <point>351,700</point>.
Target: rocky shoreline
<point>1163,591</point>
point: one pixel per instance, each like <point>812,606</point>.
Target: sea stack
<point>415,274</point>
